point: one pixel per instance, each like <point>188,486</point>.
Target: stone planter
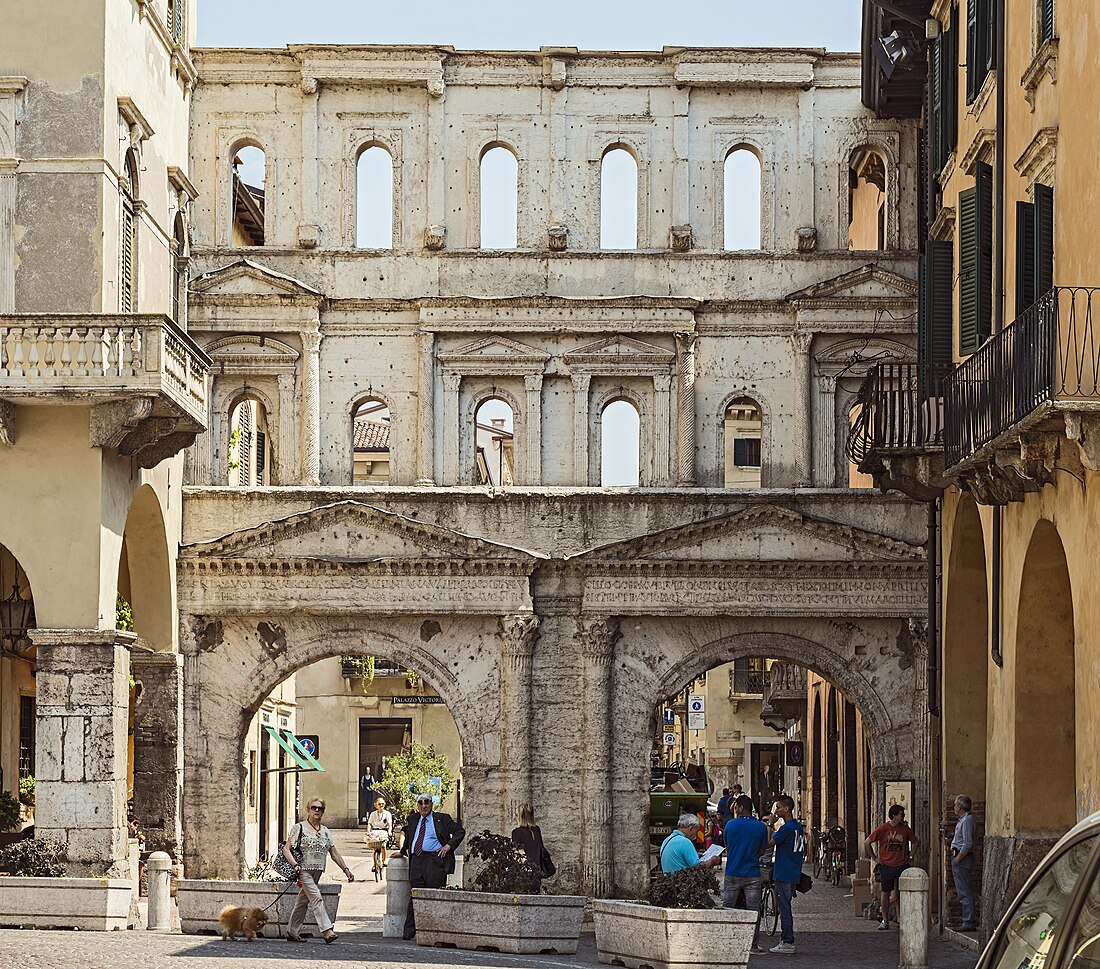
<point>98,904</point>
<point>201,900</point>
<point>519,924</point>
<point>635,935</point>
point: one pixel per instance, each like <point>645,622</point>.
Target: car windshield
<point>1029,936</point>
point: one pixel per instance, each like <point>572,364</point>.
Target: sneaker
<point>784,948</point>
<point>757,950</point>
<point>883,925</point>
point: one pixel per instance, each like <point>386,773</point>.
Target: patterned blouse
<point>315,847</point>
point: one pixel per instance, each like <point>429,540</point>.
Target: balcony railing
<point>900,409</point>
<point>747,682</point>
<point>102,357</point>
<point>1049,353</point>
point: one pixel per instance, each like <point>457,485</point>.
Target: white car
<point>1054,923</point>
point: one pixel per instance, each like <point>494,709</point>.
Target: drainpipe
<point>998,307</point>
<point>933,637</point>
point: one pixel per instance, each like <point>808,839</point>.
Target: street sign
<point>796,753</point>
<point>669,716</point>
<point>696,703</point>
<point>697,720</point>
<point>310,744</point>
<point>670,738</point>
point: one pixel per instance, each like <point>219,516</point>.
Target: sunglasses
<point>314,807</point>
<point>426,800</point>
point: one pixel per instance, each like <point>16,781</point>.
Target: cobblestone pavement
<point>828,937</point>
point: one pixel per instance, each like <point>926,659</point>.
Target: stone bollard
<point>398,893</point>
<point>913,918</point>
<point>159,868</point>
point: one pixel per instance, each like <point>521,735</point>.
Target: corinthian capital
<point>518,634</point>
<point>598,635</point>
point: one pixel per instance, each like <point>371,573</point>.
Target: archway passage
<point>1045,736</point>
<point>17,677</point>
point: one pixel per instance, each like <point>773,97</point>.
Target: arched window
<point>374,199</point>
<point>499,180</point>
<point>248,178</point>
<point>370,430</point>
<point>179,270</point>
<point>856,478</point>
<point>620,445</point>
<point>743,434</point>
<point>741,199</point>
<point>866,200</point>
<point>618,200</point>
<point>127,273</point>
<point>249,445</point>
<point>494,443</point>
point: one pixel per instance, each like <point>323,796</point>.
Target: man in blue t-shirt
<point>678,849</point>
<point>790,851</point>
<point>746,841</point>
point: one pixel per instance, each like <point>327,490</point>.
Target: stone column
<point>82,714</point>
<point>453,447</point>
<point>685,410</point>
<point>803,408</point>
<point>597,636</point>
<point>824,471</point>
<point>286,467</point>
<point>581,383</point>
<point>158,750</point>
<point>533,471</point>
<point>517,638</point>
<point>662,431</point>
<point>7,235</point>
<point>311,409</point>
<point>425,395</point>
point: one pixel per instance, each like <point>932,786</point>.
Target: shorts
<point>888,876</point>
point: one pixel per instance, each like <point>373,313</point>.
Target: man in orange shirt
<point>895,841</point>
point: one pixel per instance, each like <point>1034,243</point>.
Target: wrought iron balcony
<point>747,682</point>
<point>1042,367</point>
<point>145,379</point>
<point>897,435</point>
<point>784,694</point>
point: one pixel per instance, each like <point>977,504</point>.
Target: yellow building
<point>998,426</point>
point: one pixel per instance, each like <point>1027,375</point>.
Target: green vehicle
<point>666,806</point>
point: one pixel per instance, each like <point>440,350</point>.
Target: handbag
<point>547,868</point>
<point>282,867</point>
<point>805,883</point>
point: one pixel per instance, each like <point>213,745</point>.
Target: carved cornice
<point>981,147</point>
<point>1036,162</point>
<point>943,227</point>
<point>1044,62</point>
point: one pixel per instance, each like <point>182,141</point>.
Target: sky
<point>526,25</point>
<point>519,25</point>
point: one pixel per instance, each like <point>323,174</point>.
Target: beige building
<point>996,427</point>
<point>271,803</point>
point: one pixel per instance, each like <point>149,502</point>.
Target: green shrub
<point>34,858</point>
<point>687,888</point>
<point>9,811</point>
<point>26,790</point>
<point>407,774</point>
<point>505,869</point>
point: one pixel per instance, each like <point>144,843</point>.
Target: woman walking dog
<point>314,841</point>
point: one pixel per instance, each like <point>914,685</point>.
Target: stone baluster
<point>685,410</point>
<point>80,336</point>
<point>5,333</point>
<point>49,352</point>
<point>17,351</point>
<point>803,408</point>
<point>597,636</point>
<point>518,635</point>
<point>311,409</point>
<point>32,352</point>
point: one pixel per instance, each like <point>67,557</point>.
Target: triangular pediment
<point>620,347</point>
<point>248,278</point>
<point>867,282</point>
<point>497,347</point>
<point>353,532</point>
<point>762,533</point>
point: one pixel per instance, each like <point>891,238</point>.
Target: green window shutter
<point>951,90</point>
<point>924,335</point>
<point>126,280</point>
<point>989,36</point>
<point>1025,256</point>
<point>973,51</point>
<point>1044,239</point>
<point>1046,19</point>
<point>935,103</point>
<point>939,274</point>
<point>968,271</point>
<point>983,183</point>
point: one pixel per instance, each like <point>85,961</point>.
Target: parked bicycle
<point>821,853</point>
<point>769,910</point>
<point>837,840</point>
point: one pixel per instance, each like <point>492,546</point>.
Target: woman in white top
<point>316,844</point>
<point>379,830</point>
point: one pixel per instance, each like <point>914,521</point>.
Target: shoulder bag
<point>547,868</point>
<point>283,868</point>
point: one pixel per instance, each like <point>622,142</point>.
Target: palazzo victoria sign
<point>885,588</point>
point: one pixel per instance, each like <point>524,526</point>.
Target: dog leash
<point>280,894</point>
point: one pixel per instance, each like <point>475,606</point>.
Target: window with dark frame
<point>976,261</point>
<point>981,21</point>
<point>1046,20</point>
<point>26,736</point>
<point>943,95</point>
<point>128,238</point>
<point>746,452</point>
<point>1034,247</point>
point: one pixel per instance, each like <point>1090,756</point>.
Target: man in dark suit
<point>430,841</point>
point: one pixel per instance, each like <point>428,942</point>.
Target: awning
<point>293,746</point>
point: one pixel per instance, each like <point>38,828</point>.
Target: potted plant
<point>504,912</point>
<point>35,893</point>
<point>200,900</point>
<point>678,927</point>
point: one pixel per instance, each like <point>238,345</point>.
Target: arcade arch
<point>145,574</point>
<point>17,673</point>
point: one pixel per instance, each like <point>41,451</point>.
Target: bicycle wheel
<point>769,912</point>
<point>819,865</point>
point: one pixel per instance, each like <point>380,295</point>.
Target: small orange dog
<point>242,921</point>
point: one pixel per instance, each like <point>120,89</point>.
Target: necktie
<point>420,836</point>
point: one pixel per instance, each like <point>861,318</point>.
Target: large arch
<point>148,561</point>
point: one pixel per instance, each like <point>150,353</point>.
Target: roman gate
<point>356,491</point>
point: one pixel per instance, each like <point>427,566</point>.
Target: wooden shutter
<point>939,269</point>
<point>973,49</point>
<point>1025,256</point>
<point>126,273</point>
<point>951,91</point>
<point>968,271</point>
<point>935,103</point>
<point>989,36</point>
<point>1044,239</point>
<point>1046,19</point>
<point>983,183</point>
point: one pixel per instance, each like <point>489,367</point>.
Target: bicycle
<point>769,909</point>
<point>821,855</point>
<point>837,838</point>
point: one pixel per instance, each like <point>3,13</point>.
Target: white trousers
<point>309,896</point>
